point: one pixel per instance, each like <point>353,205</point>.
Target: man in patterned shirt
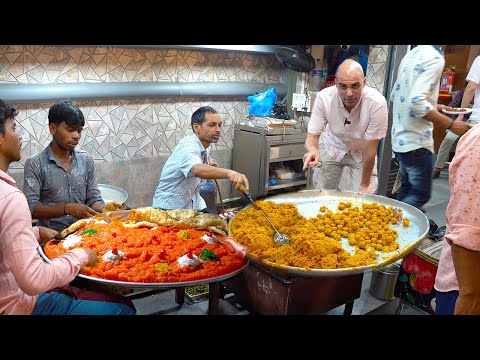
<point>59,182</point>
<point>414,98</point>
<point>190,166</point>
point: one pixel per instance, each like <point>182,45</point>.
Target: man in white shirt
<point>414,98</point>
<point>349,119</point>
<point>190,166</point>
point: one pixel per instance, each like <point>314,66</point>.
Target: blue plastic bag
<point>262,104</point>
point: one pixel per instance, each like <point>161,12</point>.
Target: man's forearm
<point>205,171</point>
<point>311,142</point>
<point>368,161</point>
<point>469,94</point>
<point>467,268</point>
<point>367,169</point>
<point>42,211</point>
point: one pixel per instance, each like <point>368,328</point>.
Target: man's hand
<point>213,163</point>
<point>367,189</point>
<point>92,257</point>
<point>111,206</point>
<point>46,234</point>
<point>311,159</point>
<point>460,127</point>
<point>237,179</point>
<point>80,211</point>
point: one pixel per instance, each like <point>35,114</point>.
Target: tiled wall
<point>130,140</point>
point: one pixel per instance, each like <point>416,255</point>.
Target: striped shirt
<point>178,187</point>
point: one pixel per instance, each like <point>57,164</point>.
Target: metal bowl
<point>112,193</point>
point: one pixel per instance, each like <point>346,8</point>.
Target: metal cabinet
<point>256,151</point>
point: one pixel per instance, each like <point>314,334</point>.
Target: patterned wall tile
<point>117,130</point>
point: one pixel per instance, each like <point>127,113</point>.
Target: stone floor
<point>163,303</point>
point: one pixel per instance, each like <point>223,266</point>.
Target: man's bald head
<point>349,67</point>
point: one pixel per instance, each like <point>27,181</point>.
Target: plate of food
<point>149,247</point>
<point>457,111</point>
<point>331,233</point>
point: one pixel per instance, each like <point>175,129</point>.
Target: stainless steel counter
<point>258,151</point>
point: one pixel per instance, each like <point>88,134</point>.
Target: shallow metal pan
<point>308,203</point>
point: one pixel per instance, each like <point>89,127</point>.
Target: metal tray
<point>112,193</point>
<point>164,285</point>
<point>308,203</point>
<point>151,285</point>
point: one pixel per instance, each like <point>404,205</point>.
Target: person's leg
<point>416,170</point>
<point>59,304</point>
<point>328,172</point>
<point>444,151</point>
<point>445,302</point>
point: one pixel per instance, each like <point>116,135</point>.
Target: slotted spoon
<point>279,238</point>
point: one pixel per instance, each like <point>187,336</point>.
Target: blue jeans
<point>445,302</point>
<point>416,175</point>
<point>59,304</point>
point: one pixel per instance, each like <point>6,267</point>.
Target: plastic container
<point>318,76</point>
<point>209,193</point>
<point>382,283</point>
<point>446,82</point>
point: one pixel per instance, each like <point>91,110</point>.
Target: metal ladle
<point>279,238</point>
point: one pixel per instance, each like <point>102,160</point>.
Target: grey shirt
<point>46,182</point>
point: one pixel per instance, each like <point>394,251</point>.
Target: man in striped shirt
<point>190,166</point>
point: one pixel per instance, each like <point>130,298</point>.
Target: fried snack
<point>112,206</point>
<point>180,218</point>
<point>139,224</point>
<point>72,228</point>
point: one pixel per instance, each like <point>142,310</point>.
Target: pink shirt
<point>462,215</point>
<point>23,273</point>
<point>368,121</point>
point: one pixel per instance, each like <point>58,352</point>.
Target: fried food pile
<point>151,217</point>
<point>315,242</point>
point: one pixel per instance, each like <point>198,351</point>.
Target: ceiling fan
<point>295,57</point>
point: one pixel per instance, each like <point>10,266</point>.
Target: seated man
<point>190,166</point>
<point>28,284</point>
<point>59,182</point>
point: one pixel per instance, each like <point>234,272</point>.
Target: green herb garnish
<point>89,232</point>
<point>208,255</point>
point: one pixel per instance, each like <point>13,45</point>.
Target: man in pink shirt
<point>25,277</point>
<point>349,119</point>
<point>457,280</point>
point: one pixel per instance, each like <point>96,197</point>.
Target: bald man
<point>348,120</point>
